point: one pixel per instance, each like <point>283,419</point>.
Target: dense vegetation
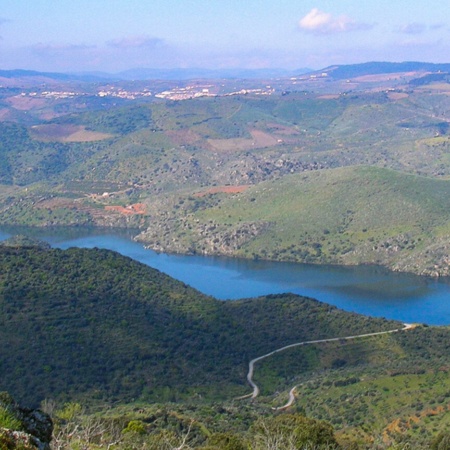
<point>98,328</point>
<point>93,322</point>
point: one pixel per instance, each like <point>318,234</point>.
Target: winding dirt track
<point>251,364</point>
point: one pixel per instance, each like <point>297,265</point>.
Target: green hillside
<point>98,328</point>
<point>94,323</point>
<point>347,216</point>
<point>161,166</point>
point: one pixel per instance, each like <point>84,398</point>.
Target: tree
<point>293,432</point>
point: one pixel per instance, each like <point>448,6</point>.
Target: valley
<point>182,170</point>
<point>347,166</point>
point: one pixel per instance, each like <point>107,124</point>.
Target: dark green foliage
<point>96,323</point>
<point>441,442</point>
<point>430,78</point>
<point>294,431</point>
<point>119,121</point>
<point>25,160</point>
<point>224,441</point>
<point>24,241</point>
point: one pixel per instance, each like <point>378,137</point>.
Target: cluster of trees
<point>95,323</point>
<point>96,327</point>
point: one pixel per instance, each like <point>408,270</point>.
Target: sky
<point>116,35</point>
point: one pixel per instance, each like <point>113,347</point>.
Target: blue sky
<point>115,35</point>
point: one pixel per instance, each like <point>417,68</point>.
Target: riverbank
<point>370,290</point>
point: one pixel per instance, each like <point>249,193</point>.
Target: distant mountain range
<point>28,74</point>
<point>186,74</point>
<point>336,72</point>
<point>375,68</point>
<point>156,74</point>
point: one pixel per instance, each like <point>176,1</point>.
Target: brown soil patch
<point>226,145</point>
<point>86,136</point>
<point>282,129</point>
<point>131,210</point>
<point>260,139</point>
<point>329,96</point>
<point>95,212</point>
<point>397,95</point>
<point>66,133</point>
<point>399,425</point>
<point>26,103</point>
<point>4,113</point>
<point>183,137</point>
<point>58,202</point>
<point>263,139</point>
<point>443,88</point>
<point>385,76</point>
<point>223,189</point>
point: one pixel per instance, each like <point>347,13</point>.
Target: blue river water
<point>369,290</point>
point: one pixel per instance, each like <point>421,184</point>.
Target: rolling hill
<point>347,215</point>
<point>160,164</point>
<point>91,323</point>
<point>95,327</point>
<point>380,67</point>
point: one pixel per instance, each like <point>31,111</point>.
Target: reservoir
<point>369,290</point>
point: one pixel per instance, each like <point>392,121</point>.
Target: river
<point>369,290</point>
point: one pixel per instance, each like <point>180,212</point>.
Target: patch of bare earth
<point>441,88</point>
<point>329,96</point>
<point>399,426</point>
<point>397,95</point>
<point>54,203</point>
<point>131,210</point>
<point>26,103</point>
<point>223,189</point>
<point>4,113</point>
<point>66,133</point>
<point>94,212</point>
<point>385,76</point>
<point>282,129</point>
<point>183,137</point>
<point>260,139</point>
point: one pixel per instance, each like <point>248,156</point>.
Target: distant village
<point>178,93</point>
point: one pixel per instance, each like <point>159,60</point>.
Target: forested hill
<point>95,324</point>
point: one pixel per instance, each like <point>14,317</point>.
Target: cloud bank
<point>319,22</point>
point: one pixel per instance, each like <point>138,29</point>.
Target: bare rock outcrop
<point>23,428</point>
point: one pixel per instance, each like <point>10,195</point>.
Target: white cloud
<point>136,42</point>
<point>320,22</point>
